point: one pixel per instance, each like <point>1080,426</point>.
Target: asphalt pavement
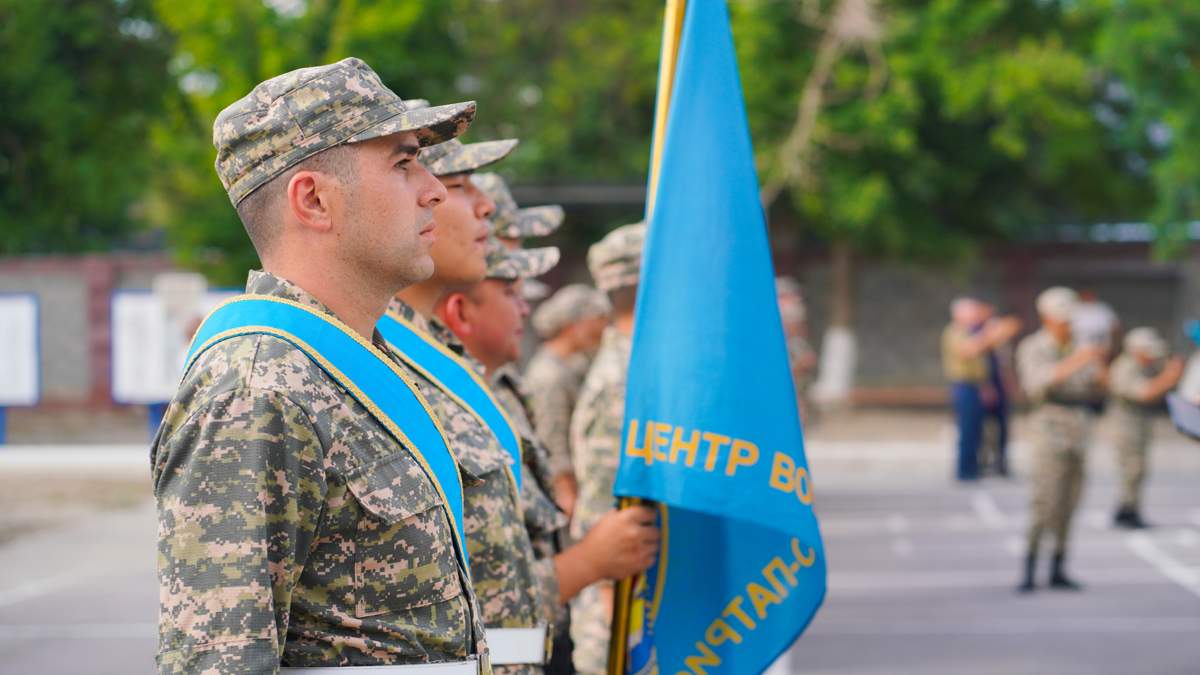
<point>922,572</point>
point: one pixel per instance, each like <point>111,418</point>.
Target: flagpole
<point>672,31</point>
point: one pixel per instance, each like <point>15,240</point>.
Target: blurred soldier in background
<point>801,355</point>
<point>1062,380</point>
<point>571,323</point>
<point>1094,322</point>
<point>596,424</point>
<point>997,400</point>
<point>1139,379</point>
<point>968,360</point>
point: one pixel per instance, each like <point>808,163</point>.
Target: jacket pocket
<point>404,550</point>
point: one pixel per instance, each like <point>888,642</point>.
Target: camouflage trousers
<point>1133,460</point>
<point>591,619</point>
<point>1060,439</point>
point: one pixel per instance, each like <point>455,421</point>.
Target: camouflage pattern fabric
<point>570,304</point>
<point>454,156</point>
<point>1059,434</point>
<point>595,450</point>
<point>511,222</point>
<point>546,523</point>
<point>1130,421</point>
<point>504,568</point>
<point>553,385</point>
<point>293,528</point>
<point>616,260</point>
<point>511,264</point>
<point>293,116</point>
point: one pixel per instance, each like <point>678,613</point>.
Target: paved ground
<point>921,571</point>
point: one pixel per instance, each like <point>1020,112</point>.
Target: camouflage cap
<point>570,304</point>
<point>454,156</point>
<point>1057,303</point>
<point>511,222</point>
<point>616,260</point>
<point>533,290</point>
<point>293,116</point>
<point>1147,341</point>
<point>519,263</point>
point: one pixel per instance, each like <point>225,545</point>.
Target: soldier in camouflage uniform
<point>489,317</point>
<point>615,264</point>
<point>571,323</point>
<point>510,583</point>
<point>1062,381</point>
<point>1138,380</point>
<point>293,528</point>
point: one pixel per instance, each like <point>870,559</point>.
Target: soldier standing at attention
<point>615,263</point>
<point>298,524</point>
<point>571,322</point>
<point>1062,381</point>
<point>512,584</point>
<point>489,318</point>
<point>1138,380</point>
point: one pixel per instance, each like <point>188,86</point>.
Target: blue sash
<point>456,378</point>
<point>360,369</point>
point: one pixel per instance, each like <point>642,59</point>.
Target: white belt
<point>511,646</point>
<point>470,667</point>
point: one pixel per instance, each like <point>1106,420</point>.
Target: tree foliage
<point>80,84</point>
<point>939,124</point>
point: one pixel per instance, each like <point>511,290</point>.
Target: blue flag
<point>712,432</point>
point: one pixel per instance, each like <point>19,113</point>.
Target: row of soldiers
<point>1067,372</point>
<point>300,527</point>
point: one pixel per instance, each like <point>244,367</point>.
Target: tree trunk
<point>839,350</point>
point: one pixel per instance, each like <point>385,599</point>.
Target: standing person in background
<point>967,342</point>
<point>1062,380</point>
<point>801,356</point>
<point>997,398</point>
<point>616,264</point>
<point>571,323</point>
<point>1094,322</point>
<point>1140,378</point>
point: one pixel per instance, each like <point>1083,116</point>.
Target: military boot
<point>1059,579</point>
<point>1027,585</point>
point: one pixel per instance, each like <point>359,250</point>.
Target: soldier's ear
<point>309,200</point>
<point>452,310</point>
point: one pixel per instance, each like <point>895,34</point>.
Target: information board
<point>20,364</point>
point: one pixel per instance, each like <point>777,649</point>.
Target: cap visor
<point>431,125</point>
<point>475,156</point>
<point>538,221</point>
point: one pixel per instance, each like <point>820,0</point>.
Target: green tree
<point>224,49</point>
<point>81,84</point>
<point>1151,58</point>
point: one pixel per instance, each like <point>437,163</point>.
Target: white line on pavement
<point>902,547</point>
<point>1147,549</point>
<point>32,589</point>
<point>897,524</point>
<point>78,631</point>
<point>988,511</point>
<point>910,581</point>
<point>1016,626</point>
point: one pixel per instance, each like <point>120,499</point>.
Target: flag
<point>712,432</point>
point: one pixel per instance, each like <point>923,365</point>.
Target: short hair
<point>623,299</point>
<point>259,211</point>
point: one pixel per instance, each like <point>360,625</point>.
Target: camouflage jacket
<point>292,527</point>
<point>502,558</point>
<point>1126,380</point>
<point>596,430</point>
<point>553,386</point>
<point>546,523</point>
<point>1058,415</point>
